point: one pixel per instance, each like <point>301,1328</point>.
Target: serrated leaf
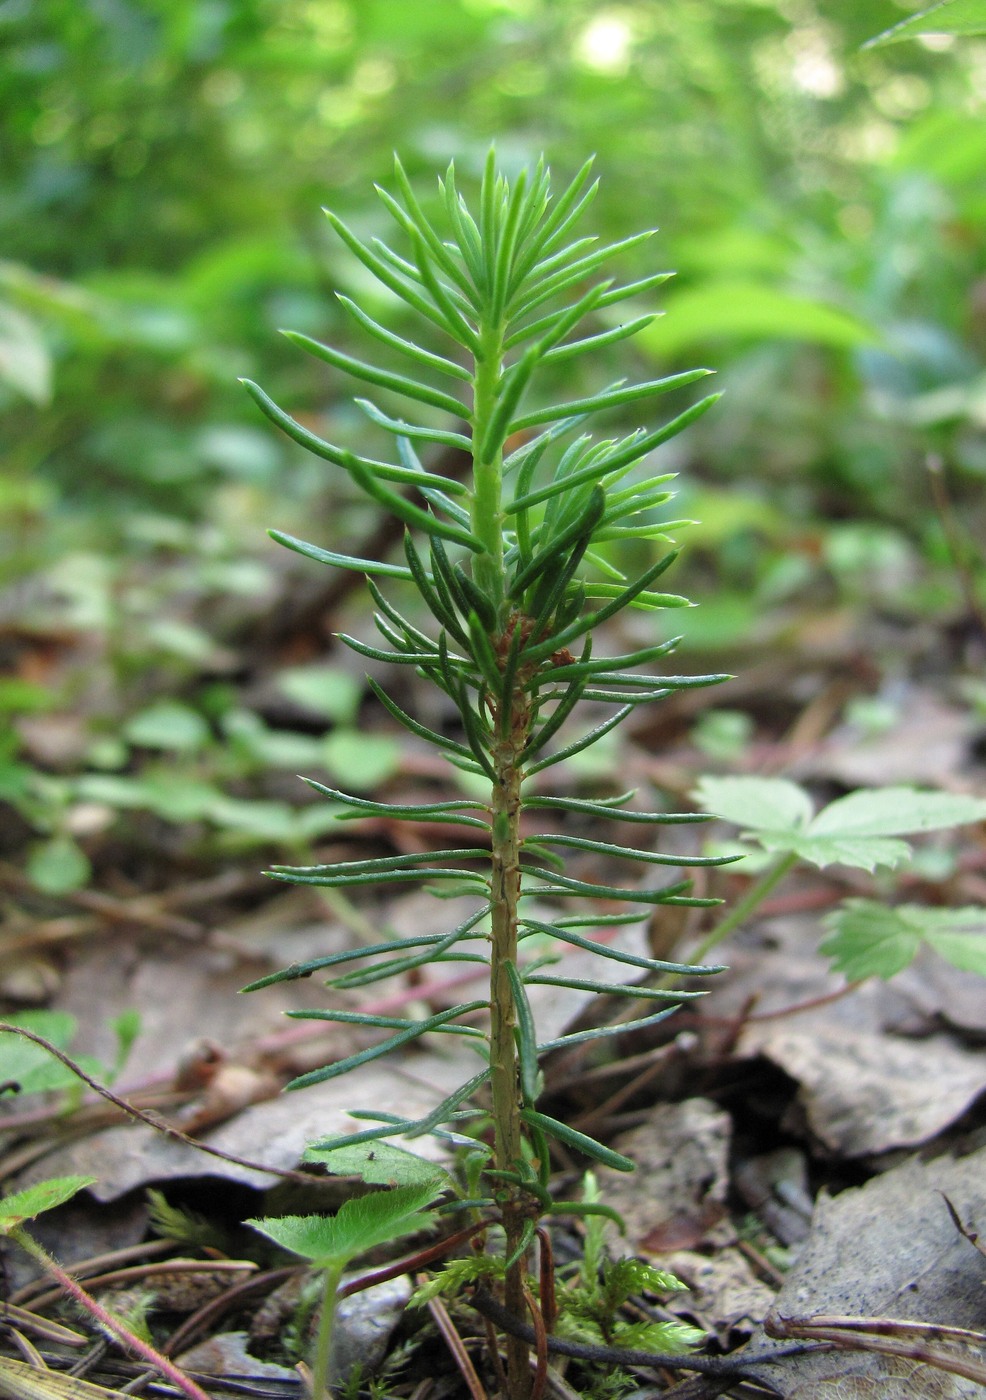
<point>871,940</point>
<point>756,804</point>
<point>35,1200</point>
<point>896,811</point>
<point>362,1223</point>
<point>380,1164</point>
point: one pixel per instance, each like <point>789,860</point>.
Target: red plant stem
<point>106,1319</point>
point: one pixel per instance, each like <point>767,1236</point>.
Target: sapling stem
<point>505,1087</point>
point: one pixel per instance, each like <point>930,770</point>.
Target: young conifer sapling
<point>517,572</point>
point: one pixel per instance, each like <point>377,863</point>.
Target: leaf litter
<point>852,1085</point>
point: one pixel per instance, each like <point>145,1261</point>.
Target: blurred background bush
<point>164,166</point>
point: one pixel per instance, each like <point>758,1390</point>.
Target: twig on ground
<point>132,1111</point>
<point>890,1337</point>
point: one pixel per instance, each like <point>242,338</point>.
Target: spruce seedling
<point>515,570</point>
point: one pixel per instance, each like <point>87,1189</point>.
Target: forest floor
<point>806,1148</point>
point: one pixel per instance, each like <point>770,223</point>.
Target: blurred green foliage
<point>164,166</point>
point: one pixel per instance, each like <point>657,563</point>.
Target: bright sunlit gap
<point>814,69</point>
<point>605,43</point>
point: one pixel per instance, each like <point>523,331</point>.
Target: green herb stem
<point>740,912</point>
<point>322,1356</point>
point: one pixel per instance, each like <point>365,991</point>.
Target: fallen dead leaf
<point>887,1249</point>
<point>676,1199</point>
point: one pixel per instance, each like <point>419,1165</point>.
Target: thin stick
<point>132,1111</point>
<point>843,1334</point>
<point>456,1346</point>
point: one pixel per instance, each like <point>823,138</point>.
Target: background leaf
<point>380,1163</point>
<point>869,939</point>
<point>896,811</point>
<point>29,1065</point>
<point>731,309</point>
<point>756,804</point>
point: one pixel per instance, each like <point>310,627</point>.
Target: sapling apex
<point>514,569</point>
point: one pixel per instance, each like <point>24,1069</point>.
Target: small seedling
<point>15,1212</point>
<point>332,1242</point>
<point>516,572</point>
<point>590,1305</point>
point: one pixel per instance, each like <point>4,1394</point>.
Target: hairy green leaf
<point>362,1223</point>
<point>25,1205</point>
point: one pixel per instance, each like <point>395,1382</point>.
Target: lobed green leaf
<point>361,1224</point>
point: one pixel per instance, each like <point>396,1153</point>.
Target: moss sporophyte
<point>516,569</point>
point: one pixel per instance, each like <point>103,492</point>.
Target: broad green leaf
<point>947,17</point>
<point>868,939</point>
<point>860,830</point>
<point>359,1225</point>
<point>756,804</point>
<point>380,1164</point>
<point>327,690</point>
<point>896,811</point>
<point>362,761</point>
<point>25,363</point>
<point>733,309</point>
<point>35,1200</point>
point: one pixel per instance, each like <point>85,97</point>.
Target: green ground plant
<point>513,572</point>
<point>864,830</point>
